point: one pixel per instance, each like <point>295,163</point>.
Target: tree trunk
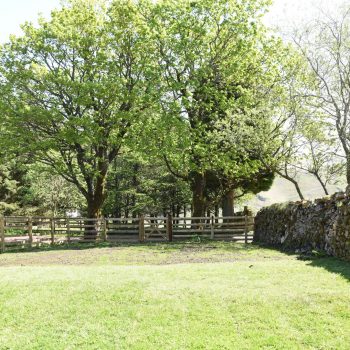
<point>95,202</point>
<point>228,204</point>
<point>117,200</point>
<point>198,199</point>
<point>216,213</point>
<point>178,210</point>
<point>94,209</point>
<point>294,182</point>
<point>296,185</point>
<point>208,212</point>
<point>126,211</point>
<point>135,184</point>
<point>322,184</point>
<point>93,213</point>
<point>348,168</point>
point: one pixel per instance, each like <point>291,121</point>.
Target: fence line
<point>20,232</point>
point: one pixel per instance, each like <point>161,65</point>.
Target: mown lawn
<point>178,296</point>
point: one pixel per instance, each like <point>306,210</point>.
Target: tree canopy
<point>196,95</point>
<point>222,77</point>
<point>76,87</point>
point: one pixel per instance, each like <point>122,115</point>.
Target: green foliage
<point>74,88</point>
<point>196,85</point>
<point>8,189</point>
<point>138,186</point>
<point>33,189</point>
<point>50,194</point>
<point>224,81</point>
<point>13,184</point>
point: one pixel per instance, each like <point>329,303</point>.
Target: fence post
<point>212,222</point>
<point>68,230</point>
<point>2,234</point>
<point>30,231</point>
<point>245,224</point>
<point>169,227</point>
<point>142,228</point>
<point>52,229</point>
<point>104,229</point>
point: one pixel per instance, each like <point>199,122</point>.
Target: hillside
<point>284,191</point>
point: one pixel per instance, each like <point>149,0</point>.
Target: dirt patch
<point>157,254</point>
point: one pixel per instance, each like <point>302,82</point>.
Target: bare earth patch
<point>148,254</point>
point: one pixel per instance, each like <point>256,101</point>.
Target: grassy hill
<point>284,191</point>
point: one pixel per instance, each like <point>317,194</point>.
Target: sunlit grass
<point>110,298</point>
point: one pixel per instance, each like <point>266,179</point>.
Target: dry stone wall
<point>323,224</point>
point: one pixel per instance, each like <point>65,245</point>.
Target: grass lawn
<point>173,296</point>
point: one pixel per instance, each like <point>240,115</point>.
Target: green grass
<point>173,296</point>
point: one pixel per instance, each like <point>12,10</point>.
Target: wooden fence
<point>22,232</point>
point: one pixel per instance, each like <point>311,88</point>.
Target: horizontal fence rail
<point>22,232</point>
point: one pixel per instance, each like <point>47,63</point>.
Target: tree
<point>308,146</point>
<point>75,88</point>
<point>319,156</point>
<point>13,183</point>
<point>50,194</point>
<point>137,185</point>
<point>10,185</point>
<point>221,72</point>
<point>292,114</point>
<point>289,153</point>
<point>325,44</point>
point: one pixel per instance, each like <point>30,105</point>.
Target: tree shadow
<point>331,264</point>
<point>180,245</point>
<point>316,259</point>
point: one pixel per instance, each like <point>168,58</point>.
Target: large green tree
<point>221,74</point>
<point>75,88</point>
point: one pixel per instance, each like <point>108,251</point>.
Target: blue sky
<point>283,12</point>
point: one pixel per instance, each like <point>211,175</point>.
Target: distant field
<point>173,296</point>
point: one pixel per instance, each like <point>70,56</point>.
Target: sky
<point>13,13</point>
<point>283,13</point>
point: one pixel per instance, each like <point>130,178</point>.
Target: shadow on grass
<point>316,259</point>
<point>333,265</point>
<point>201,244</point>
